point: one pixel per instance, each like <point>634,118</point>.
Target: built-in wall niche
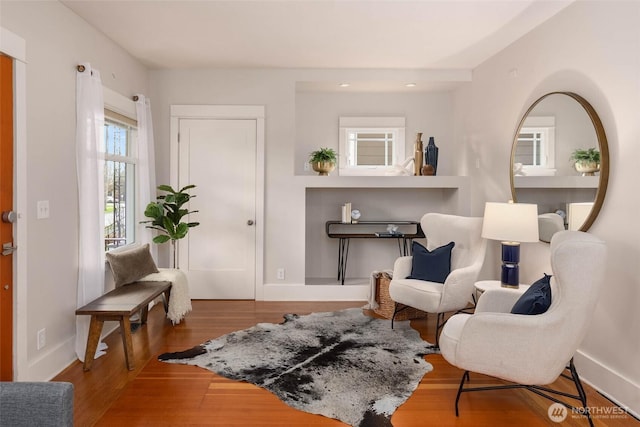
<point>318,121</point>
<point>365,255</point>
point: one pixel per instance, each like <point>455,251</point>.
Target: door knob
<point>9,216</point>
<point>6,287</point>
<point>250,222</point>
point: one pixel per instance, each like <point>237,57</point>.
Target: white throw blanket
<point>179,301</point>
<point>373,304</point>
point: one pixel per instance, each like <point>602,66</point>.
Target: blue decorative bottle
<point>431,154</point>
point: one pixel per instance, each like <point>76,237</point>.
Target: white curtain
<point>90,168</point>
<point>146,166</point>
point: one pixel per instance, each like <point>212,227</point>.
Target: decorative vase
<point>417,160</point>
<point>427,170</point>
<point>587,168</point>
<point>323,168</point>
<point>431,155</point>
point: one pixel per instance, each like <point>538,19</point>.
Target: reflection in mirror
<point>543,168</point>
<point>535,146</point>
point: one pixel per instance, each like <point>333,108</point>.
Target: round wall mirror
<point>560,161</point>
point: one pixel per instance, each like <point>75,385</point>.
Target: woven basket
<point>387,305</point>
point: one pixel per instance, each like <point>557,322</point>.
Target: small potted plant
<point>587,162</point>
<point>323,160</point>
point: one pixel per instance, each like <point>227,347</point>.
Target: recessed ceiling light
<point>344,85</point>
<point>411,85</point>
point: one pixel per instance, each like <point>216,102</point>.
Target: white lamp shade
<point>510,222</point>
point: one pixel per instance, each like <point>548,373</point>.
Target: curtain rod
<point>81,68</point>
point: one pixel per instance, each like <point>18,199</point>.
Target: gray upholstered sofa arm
<point>32,404</point>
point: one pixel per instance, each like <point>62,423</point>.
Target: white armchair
<point>467,258</point>
<point>549,224</point>
<point>532,350</point>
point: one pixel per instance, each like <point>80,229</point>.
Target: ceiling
<point>317,34</point>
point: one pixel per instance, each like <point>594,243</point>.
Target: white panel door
<point>219,157</point>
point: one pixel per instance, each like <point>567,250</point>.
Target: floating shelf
<point>556,181</point>
<point>435,182</point>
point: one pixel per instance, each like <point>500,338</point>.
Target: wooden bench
<point>120,304</point>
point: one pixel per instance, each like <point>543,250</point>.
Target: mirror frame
<point>602,145</point>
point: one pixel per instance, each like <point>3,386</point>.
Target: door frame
<point>229,112</point>
<point>14,46</point>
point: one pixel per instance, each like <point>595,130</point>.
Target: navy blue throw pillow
<point>432,266</point>
<point>536,300</point>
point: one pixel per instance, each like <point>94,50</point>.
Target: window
<point>535,148</point>
<point>370,145</point>
<point>119,180</point>
<point>532,147</point>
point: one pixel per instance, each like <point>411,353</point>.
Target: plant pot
<point>587,168</point>
<point>323,168</point>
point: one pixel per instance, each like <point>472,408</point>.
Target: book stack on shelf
<point>346,213</point>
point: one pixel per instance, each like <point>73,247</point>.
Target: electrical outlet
<point>42,338</point>
<point>280,274</point>
<point>43,209</point>
<point>306,166</point>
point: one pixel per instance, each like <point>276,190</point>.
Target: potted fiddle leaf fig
<point>323,160</point>
<point>166,216</point>
<point>586,161</point>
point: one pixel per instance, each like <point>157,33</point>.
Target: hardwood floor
<point>162,394</point>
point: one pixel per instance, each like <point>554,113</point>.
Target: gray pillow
<point>131,265</point>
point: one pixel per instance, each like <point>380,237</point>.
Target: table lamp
<point>510,223</point>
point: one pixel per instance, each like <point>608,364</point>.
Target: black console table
<point>370,230</point>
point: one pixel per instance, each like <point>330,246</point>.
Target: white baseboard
<point>53,361</point>
<point>301,292</point>
<point>622,391</point>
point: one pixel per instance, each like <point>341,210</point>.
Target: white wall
<point>593,49</point>
<point>56,41</point>
<point>286,146</point>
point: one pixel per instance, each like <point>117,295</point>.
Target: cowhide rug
<point>343,365</point>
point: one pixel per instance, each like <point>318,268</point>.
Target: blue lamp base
<point>510,271</point>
